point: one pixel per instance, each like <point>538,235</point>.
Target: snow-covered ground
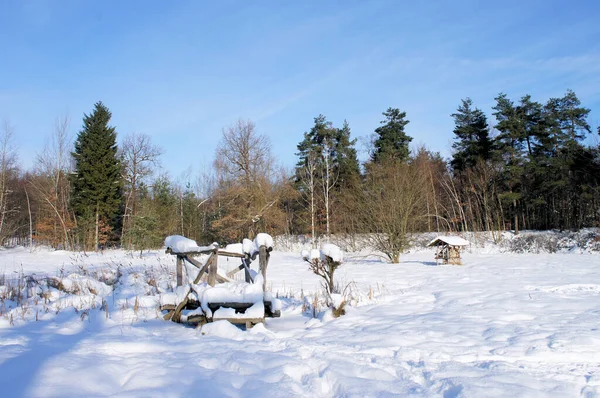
<point>500,325</point>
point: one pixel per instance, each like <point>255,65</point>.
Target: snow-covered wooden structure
<point>211,295</point>
<point>448,249</point>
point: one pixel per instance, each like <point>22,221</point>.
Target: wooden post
<point>203,269</point>
<point>246,264</point>
<point>212,268</point>
<point>179,270</point>
<point>263,262</point>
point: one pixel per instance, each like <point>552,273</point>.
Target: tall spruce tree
<point>391,141</point>
<point>472,141</point>
<point>96,182</point>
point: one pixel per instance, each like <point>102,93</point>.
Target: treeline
<point>531,170</point>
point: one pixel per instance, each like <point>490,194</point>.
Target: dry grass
<point>340,310</point>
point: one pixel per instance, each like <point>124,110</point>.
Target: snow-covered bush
<point>324,263</point>
<point>80,284</point>
<point>586,240</point>
<point>298,243</point>
<point>533,243</point>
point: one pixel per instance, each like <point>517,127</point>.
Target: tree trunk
<point>327,176</point>
<point>96,240</point>
<point>312,214</point>
<point>181,211</point>
<point>30,221</point>
<point>516,217</point>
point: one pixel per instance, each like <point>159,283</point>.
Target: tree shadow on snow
<point>42,341</point>
<point>426,263</point>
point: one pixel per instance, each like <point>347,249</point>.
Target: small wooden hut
<point>448,249</point>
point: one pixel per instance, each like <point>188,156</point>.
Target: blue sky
<point>181,71</point>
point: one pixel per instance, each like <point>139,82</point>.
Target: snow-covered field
<point>500,325</point>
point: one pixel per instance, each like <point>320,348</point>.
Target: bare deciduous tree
<point>8,166</point>
<point>308,186</point>
<point>246,194</point>
<point>328,180</point>
<point>51,187</point>
<point>243,155</point>
<point>392,205</point>
<point>139,158</point>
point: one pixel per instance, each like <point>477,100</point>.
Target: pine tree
<point>347,160</point>
<point>96,182</point>
<point>340,146</point>
<point>391,140</point>
<point>314,140</point>
<point>471,132</point>
<point>317,170</point>
<point>570,116</point>
<point>327,167</point>
<point>567,159</point>
<point>346,193</point>
<point>509,145</point>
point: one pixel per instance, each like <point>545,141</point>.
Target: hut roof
<point>449,240</point>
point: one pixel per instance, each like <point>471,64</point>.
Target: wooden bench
<point>177,312</point>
